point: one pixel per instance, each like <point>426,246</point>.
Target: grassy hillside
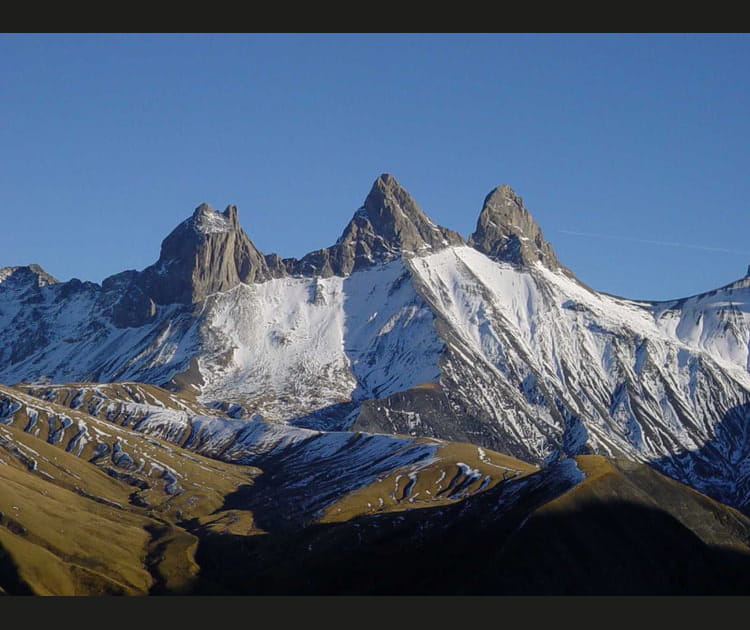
<point>88,506</point>
<point>625,529</point>
<point>102,518</point>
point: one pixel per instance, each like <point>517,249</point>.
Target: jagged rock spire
<point>507,232</point>
<point>206,253</point>
<point>388,225</point>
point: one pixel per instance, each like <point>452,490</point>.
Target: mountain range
<point>241,419</point>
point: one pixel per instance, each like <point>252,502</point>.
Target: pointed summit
<point>388,225</point>
<point>387,197</point>
<point>507,232</point>
<point>387,182</point>
<point>206,253</point>
<point>399,221</point>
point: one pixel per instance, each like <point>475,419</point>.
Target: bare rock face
<point>206,253</point>
<point>388,225</point>
<point>209,252</point>
<point>507,232</point>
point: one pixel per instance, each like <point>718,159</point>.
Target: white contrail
<point>652,242</point>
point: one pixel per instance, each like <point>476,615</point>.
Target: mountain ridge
<point>406,328</point>
<point>502,242</point>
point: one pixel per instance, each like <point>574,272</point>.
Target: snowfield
<point>291,346</point>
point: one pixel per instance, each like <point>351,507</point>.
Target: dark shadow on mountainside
<point>615,548</point>
<point>721,467</point>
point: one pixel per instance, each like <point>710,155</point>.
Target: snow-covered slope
<point>553,368</point>
<point>65,331</point>
<point>402,328</point>
<point>716,322</point>
<point>292,346</point>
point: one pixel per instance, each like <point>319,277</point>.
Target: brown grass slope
<point>81,521</point>
<point>458,471</point>
<point>89,506</point>
<point>625,530</point>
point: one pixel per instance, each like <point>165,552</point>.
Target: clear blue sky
<point>108,141</point>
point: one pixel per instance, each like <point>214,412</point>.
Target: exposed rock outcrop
<point>208,252</point>
<point>507,232</point>
<point>388,225</point>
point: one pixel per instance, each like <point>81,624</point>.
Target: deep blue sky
<point>107,142</point>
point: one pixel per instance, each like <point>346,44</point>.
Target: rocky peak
<point>206,253</point>
<point>28,275</point>
<point>209,252</point>
<point>395,219</point>
<point>388,225</point>
<point>507,232</point>
<point>390,208</point>
<point>206,220</point>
